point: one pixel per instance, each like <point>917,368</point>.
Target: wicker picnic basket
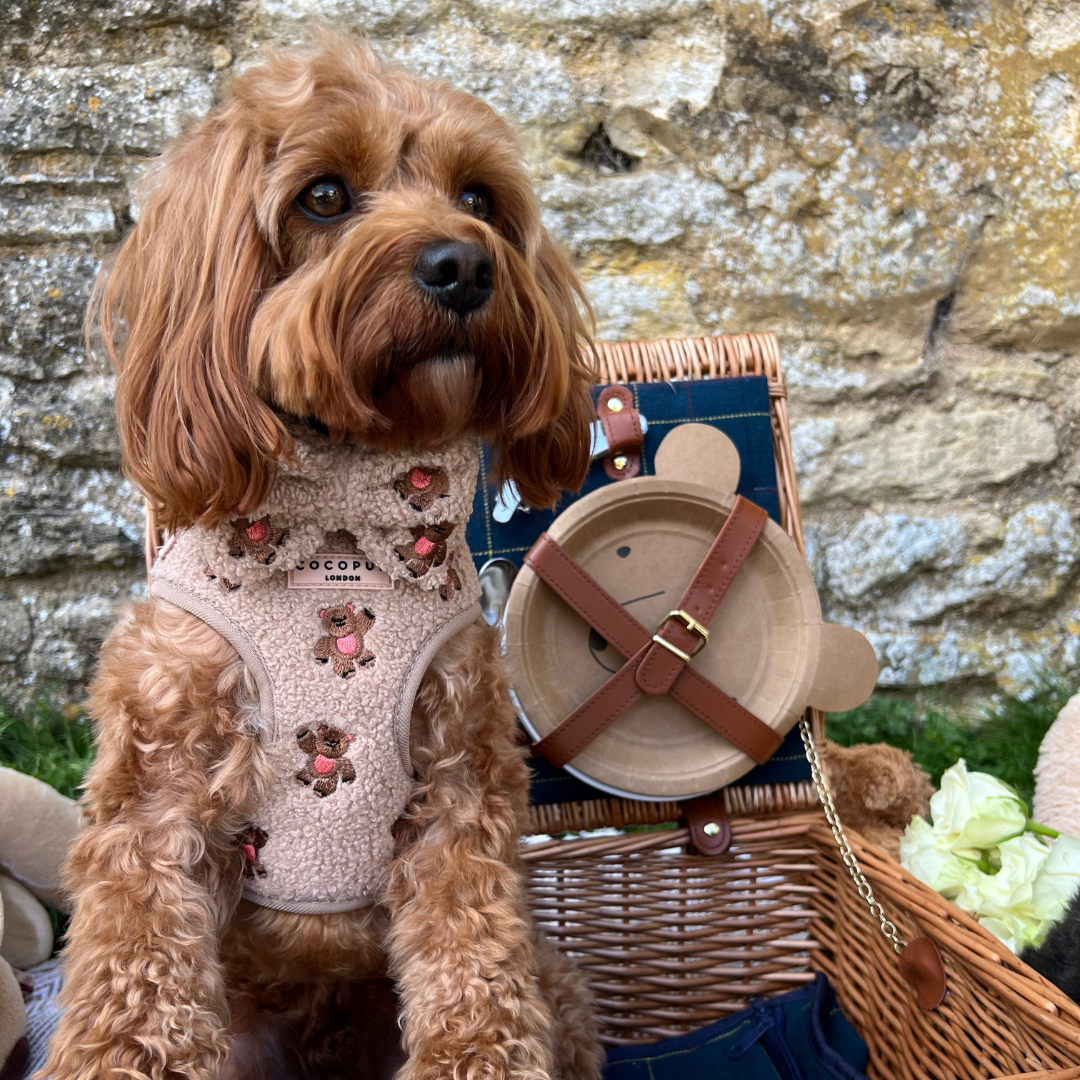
<point>672,941</point>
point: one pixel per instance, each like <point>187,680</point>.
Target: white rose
<point>1014,931</point>
<point>1058,880</point>
<point>923,854</point>
<point>1010,891</point>
<point>974,811</point>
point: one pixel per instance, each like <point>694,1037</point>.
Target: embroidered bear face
<point>251,840</point>
<point>342,646</point>
<point>452,583</point>
<point>326,748</point>
<point>421,487</point>
<point>428,547</point>
<point>256,539</point>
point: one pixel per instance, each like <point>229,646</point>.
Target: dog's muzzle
<point>456,275</point>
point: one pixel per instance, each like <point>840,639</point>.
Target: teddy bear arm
<point>324,648</point>
<point>307,774</point>
<point>27,937</point>
<point>346,771</point>
<point>35,856</point>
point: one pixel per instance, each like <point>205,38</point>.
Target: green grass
<point>53,743</point>
<point>1002,740</point>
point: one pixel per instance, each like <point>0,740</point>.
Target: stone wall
<point>892,187</point>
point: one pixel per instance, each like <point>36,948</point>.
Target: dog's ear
<point>173,312</point>
<point>544,447</point>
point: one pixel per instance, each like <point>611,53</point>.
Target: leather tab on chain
<point>710,828</point>
<point>621,424</point>
<point>922,969</point>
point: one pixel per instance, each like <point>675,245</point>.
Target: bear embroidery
<point>343,644</point>
<point>325,748</point>
<point>250,841</point>
<point>428,548</point>
<point>452,583</point>
<point>257,539</point>
<point>224,582</point>
<point>421,487</point>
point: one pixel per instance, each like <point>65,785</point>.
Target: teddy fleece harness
<point>337,592</point>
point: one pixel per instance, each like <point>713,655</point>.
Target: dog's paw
<point>475,1062</point>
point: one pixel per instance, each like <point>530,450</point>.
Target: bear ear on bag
<point>699,454</point>
<point>847,669</point>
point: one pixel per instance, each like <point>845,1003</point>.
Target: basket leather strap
<point>598,712</point>
<point>702,597</point>
<point>710,827</point>
<point>622,429</point>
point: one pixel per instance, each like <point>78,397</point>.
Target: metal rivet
<point>615,404</point>
<point>710,828</point>
<point>620,462</point>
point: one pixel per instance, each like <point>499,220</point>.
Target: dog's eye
<point>476,201</point>
<point>326,198</point>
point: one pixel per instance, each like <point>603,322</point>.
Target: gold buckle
<point>692,625</point>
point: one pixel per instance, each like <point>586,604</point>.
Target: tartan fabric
<point>739,407</point>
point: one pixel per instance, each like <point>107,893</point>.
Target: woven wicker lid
<point>642,540</point>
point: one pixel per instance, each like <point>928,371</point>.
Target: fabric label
<point>325,570</point>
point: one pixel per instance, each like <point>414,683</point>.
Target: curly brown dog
<point>343,245</point>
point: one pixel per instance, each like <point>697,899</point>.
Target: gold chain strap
<point>866,890</point>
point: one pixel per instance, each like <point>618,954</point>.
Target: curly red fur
<point>225,310</point>
<point>226,303</point>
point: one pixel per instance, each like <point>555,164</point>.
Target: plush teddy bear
<point>37,826</point>
<point>1057,772</point>
<point>877,790</point>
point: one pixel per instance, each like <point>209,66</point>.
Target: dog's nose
<point>457,275</point>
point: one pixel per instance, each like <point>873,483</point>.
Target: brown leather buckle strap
<point>681,634</point>
<point>595,715</point>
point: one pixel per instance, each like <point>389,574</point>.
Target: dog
<point>347,253</point>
